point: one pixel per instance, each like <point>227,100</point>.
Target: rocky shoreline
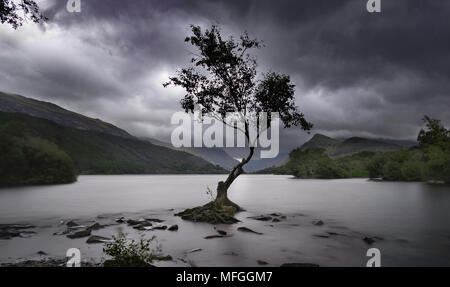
<point>88,230</point>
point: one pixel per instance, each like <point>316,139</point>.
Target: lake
<point>410,221</point>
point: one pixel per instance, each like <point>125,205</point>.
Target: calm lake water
<point>411,220</point>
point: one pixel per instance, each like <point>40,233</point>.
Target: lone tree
<point>14,12</point>
<point>223,79</point>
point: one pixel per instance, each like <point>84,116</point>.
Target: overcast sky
<point>356,74</point>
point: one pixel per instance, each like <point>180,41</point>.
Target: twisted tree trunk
<point>221,210</point>
<point>222,187</point>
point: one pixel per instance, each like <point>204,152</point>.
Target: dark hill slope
<point>100,153</point>
<point>18,104</point>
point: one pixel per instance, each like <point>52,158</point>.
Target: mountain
<point>336,148</point>
<point>11,103</point>
<point>101,153</point>
<point>214,155</point>
<point>258,164</point>
<point>404,143</point>
<point>321,141</point>
<point>94,146</point>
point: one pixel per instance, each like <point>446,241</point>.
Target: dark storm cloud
<point>356,73</point>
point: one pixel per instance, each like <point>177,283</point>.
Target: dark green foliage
<point>100,153</point>
<point>27,159</point>
<point>429,162</point>
<point>312,163</point>
<point>129,253</point>
<point>436,133</point>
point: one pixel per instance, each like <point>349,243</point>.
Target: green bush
<point>129,253</point>
<point>392,170</point>
<point>413,170</point>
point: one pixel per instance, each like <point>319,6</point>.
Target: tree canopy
<point>16,12</point>
<point>223,79</point>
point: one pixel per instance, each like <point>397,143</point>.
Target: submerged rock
<point>194,250</point>
<point>154,220</point>
<point>318,222</point>
<point>8,231</point>
<point>159,227</point>
<point>120,219</point>
<point>371,240</point>
<point>133,222</point>
<point>246,229</point>
<point>261,217</point>
<point>80,234</point>
<point>261,262</point>
<point>96,226</point>
<point>216,236</point>
<point>173,227</point>
<point>71,223</point>
<point>98,239</point>
<point>221,232</point>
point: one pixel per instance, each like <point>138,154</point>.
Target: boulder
<point>96,226</point>
<point>71,223</point>
<point>173,227</point>
<point>80,234</point>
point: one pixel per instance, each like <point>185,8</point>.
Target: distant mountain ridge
<point>96,147</point>
<point>334,147</point>
<point>12,103</point>
<point>214,155</point>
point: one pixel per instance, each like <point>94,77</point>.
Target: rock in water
<point>318,222</point>
<point>173,227</point>
<point>133,222</point>
<point>96,226</point>
<point>215,236</point>
<point>72,223</point>
<point>246,229</point>
<point>159,227</point>
<point>194,250</point>
<point>154,220</point>
<point>369,240</point>
<point>261,262</point>
<point>261,217</point>
<point>97,239</point>
<point>120,220</point>
<point>80,234</point>
<point>221,232</point>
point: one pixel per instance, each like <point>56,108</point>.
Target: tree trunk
<point>222,187</point>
